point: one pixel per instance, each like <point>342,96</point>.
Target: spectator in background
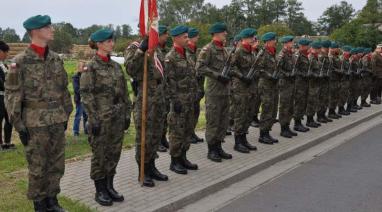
<point>80,112</point>
<point>4,48</point>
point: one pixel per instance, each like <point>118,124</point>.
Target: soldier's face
<point>106,46</point>
<point>271,43</point>
<point>221,36</point>
<point>46,33</point>
<point>163,38</point>
<point>194,39</point>
<point>181,40</point>
<point>3,55</point>
<point>288,45</point>
<point>304,48</point>
<point>378,50</point>
<point>249,41</point>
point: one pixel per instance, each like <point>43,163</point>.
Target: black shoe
<point>299,127</point>
<point>320,118</point>
<point>274,140</point>
<point>177,166</point>
<point>52,205</point>
<point>115,196</point>
<point>290,131</point>
<point>311,123</point>
<point>239,146</point>
<point>332,114</point>
<point>222,153</point>
<point>350,108</point>
<point>228,132</point>
<point>247,144</point>
<point>373,101</point>
<point>265,138</point>
<point>342,111</point>
<point>164,141</point>
<point>147,180</point>
<point>187,164</point>
<point>199,140</point>
<point>255,122</point>
<point>39,206</point>
<point>213,154</point>
<point>101,195</point>
<point>155,174</point>
<point>285,133</point>
<point>365,104</point>
<point>161,148</point>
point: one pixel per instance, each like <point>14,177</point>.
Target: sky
<point>83,13</point>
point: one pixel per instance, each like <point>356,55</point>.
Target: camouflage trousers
<point>286,90</point>
<point>344,91</point>
<point>334,93</point>
<point>312,105</point>
<point>241,107</point>
<point>106,148</point>
<point>180,129</point>
<point>166,110</point>
<point>300,97</point>
<point>355,89</point>
<point>217,118</point>
<point>196,113</point>
<point>367,83</point>
<point>155,119</point>
<point>324,95</point>
<point>267,91</point>
<point>45,155</point>
<point>256,102</point>
<point>275,103</point>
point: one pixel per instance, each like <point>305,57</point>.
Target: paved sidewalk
<point>181,190</point>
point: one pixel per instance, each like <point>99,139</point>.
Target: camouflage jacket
<point>36,93</point>
<point>242,61</point>
<point>210,64</point>
<point>192,56</point>
<point>324,60</point>
<point>315,66</point>
<point>366,65</point>
<point>345,63</point>
<point>181,81</point>
<point>286,61</point>
<point>376,64</point>
<point>266,64</point>
<point>104,92</point>
<point>302,65</point>
<point>354,66</point>
<point>335,72</point>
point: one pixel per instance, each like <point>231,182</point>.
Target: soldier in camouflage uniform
<point>192,53</point>
<point>210,64</point>
<point>324,83</point>
<point>345,82</point>
<point>314,74</point>
<point>376,67</point>
<point>267,86</point>
<point>354,80</point>
<point>107,103</point>
<point>242,87</point>
<point>335,75</point>
<point>182,88</point>
<point>39,105</point>
<point>256,101</point>
<point>301,84</point>
<point>366,75</point>
<point>285,62</point>
<point>155,108</point>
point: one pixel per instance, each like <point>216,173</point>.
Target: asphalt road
<point>345,179</point>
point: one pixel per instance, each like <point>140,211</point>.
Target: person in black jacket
<point>80,112</point>
<point>4,48</point>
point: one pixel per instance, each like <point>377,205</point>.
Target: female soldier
<point>106,101</point>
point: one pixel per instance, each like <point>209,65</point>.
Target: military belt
<point>42,105</point>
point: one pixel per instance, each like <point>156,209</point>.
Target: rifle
<point>329,71</point>
<point>295,64</point>
<point>322,68</point>
<point>276,72</point>
<point>252,71</point>
<point>227,64</point>
<point>359,68</point>
<point>349,69</point>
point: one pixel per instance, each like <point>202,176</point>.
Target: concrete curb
<point>238,176</point>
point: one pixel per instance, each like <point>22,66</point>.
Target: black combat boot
<point>155,174</point>
<point>187,164</point>
<point>299,127</point>
<point>265,138</point>
<point>284,132</point>
<point>115,196</point>
<point>197,139</point>
<point>161,148</point>
<point>320,118</point>
<point>290,131</point>
<point>213,153</point>
<point>177,166</point>
<point>221,152</point>
<point>164,141</point>
<point>52,205</point>
<point>342,111</point>
<point>332,114</point>
<point>356,106</point>
<point>365,104</point>
<point>325,117</point>
<point>350,108</point>
<point>274,140</point>
<point>39,206</point>
<point>247,144</point>
<point>147,179</point>
<point>255,122</point>
<point>101,195</point>
<point>311,123</point>
<point>239,144</point>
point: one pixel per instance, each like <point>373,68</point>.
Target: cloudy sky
<point>82,13</point>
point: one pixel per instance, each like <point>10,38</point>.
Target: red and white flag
<point>149,22</point>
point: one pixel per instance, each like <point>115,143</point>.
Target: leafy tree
<point>279,29</point>
<point>335,16</point>
<point>10,36</point>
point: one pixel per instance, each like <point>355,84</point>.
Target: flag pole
<point>144,118</point>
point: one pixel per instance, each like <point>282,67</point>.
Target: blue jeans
<point>80,112</point>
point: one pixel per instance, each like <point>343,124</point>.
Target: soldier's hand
<point>24,136</point>
<point>96,128</point>
<point>127,123</point>
<point>144,44</point>
<point>223,79</point>
<point>177,107</point>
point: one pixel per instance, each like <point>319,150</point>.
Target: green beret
<point>217,28</point>
<point>193,32</point>
<point>268,36</point>
<point>178,30</point>
<point>304,42</point>
<point>37,22</point>
<point>367,50</point>
<point>316,44</point>
<point>286,39</point>
<point>353,51</point>
<point>102,35</point>
<point>237,38</point>
<point>248,33</point>
<point>347,48</point>
<point>334,45</point>
<point>162,29</point>
<point>326,44</point>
